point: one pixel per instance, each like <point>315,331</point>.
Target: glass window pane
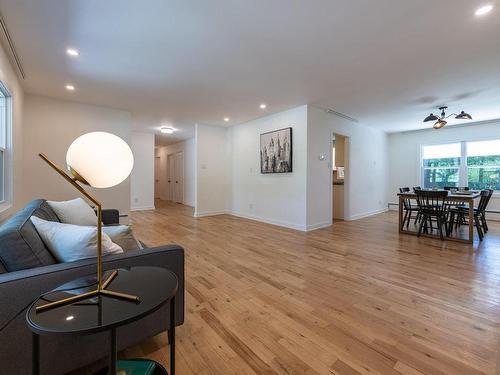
<point>484,178</point>
<point>1,176</point>
<point>451,150</point>
<point>483,148</point>
<point>490,160</point>
<point>440,177</point>
<point>443,162</point>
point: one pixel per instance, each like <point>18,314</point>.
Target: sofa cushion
<point>20,245</point>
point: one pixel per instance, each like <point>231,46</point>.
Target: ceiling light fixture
<point>441,120</point>
<point>483,10</point>
<point>70,87</point>
<point>226,119</point>
<point>166,130</point>
<point>263,106</point>
<point>73,52</point>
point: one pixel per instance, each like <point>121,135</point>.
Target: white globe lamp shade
<point>101,159</point>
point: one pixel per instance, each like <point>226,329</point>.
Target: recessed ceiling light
<point>484,10</point>
<point>70,87</point>
<point>166,130</point>
<point>72,52</point>
<point>263,106</point>
<point>70,317</point>
<point>226,119</point>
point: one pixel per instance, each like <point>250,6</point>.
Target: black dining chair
<point>415,188</point>
<point>483,217</point>
<point>458,215</point>
<point>409,209</point>
<point>432,206</point>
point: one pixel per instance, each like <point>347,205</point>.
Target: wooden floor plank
<point>354,298</point>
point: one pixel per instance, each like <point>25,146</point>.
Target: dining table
<point>454,197</point>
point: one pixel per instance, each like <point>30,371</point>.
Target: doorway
<point>175,177</point>
<point>157,177</point>
<point>339,175</point>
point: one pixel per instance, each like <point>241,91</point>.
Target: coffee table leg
<point>171,333</point>
<point>112,354</point>
<point>36,354</point>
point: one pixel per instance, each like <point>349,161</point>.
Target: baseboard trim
<point>143,208</point>
<point>285,224</point>
<point>318,226</point>
<point>366,214</point>
<point>211,213</point>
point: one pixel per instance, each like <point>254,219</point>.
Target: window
<point>472,164</point>
<point>483,165</point>
<point>441,165</point>
<point>5,130</point>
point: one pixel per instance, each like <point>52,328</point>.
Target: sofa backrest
<point>20,245</point>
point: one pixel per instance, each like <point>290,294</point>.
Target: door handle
<point>168,181</point>
<point>176,182</point>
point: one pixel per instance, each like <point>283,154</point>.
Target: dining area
<point>448,214</point>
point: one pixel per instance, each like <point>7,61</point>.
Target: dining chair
<point>409,209</point>
<point>483,215</point>
<point>459,214</point>
<point>432,206</point>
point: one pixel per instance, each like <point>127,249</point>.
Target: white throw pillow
<point>69,242</point>
<point>75,211</point>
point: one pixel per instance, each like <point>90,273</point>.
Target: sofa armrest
<point>19,289</point>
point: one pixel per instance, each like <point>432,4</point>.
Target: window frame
<point>6,148</point>
<point>463,175</point>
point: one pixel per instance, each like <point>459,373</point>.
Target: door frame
<point>347,171</point>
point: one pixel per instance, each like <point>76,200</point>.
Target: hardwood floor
<point>354,298</point>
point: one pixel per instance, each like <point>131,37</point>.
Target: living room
<point>169,187</point>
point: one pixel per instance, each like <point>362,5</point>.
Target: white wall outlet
<point>250,206</point>
<point>136,200</point>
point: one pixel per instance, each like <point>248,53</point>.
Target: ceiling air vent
<point>9,45</point>
<point>341,115</point>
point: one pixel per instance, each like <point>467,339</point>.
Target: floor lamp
<point>99,160</point>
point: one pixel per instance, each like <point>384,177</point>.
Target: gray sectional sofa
<point>27,269</point>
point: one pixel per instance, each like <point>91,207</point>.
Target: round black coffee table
<point>154,286</point>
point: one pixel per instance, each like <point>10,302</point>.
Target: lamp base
<point>101,290</point>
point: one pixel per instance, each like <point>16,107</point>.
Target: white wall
<point>50,126</point>
<point>366,168</point>
<point>190,172</point>
<point>274,198</point>
<point>405,148</point>
<point>142,177</point>
<point>14,175</point>
<point>189,151</point>
<point>213,175</point>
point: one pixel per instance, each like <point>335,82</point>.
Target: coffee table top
<point>154,286</point>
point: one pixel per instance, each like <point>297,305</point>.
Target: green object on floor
<point>135,367</point>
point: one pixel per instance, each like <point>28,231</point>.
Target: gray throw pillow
<point>75,211</point>
<point>123,236</point>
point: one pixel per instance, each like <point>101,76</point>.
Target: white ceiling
<point>387,63</point>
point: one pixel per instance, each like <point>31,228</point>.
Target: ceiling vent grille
<point>341,115</point>
<point>7,41</point>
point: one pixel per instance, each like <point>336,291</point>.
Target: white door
<point>179,178</point>
<point>157,177</point>
<point>170,177</point>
